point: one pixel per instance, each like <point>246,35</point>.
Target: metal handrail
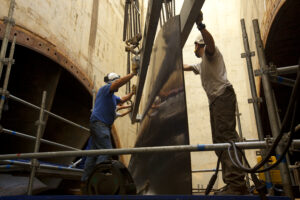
<point>19,134</point>
<point>48,112</point>
<point>140,150</point>
<point>45,166</point>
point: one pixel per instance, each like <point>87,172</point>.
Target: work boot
<point>233,190</point>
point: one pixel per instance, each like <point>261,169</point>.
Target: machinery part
<point>110,178</point>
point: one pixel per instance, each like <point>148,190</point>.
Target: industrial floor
<point>135,197</point>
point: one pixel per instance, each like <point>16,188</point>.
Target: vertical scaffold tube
<point>275,128</point>
<point>34,161</point>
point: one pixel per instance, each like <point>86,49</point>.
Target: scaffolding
<point>155,12</point>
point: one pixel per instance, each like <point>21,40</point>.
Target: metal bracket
<point>247,54</point>
<point>9,21</point>
<point>269,141</point>
<point>38,122</point>
<point>255,100</point>
<point>35,163</point>
<point>6,61</point>
<point>268,70</point>
<point>4,92</point>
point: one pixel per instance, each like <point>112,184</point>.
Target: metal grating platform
<point>135,197</point>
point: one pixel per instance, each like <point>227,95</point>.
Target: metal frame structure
<point>141,150</point>
<point>35,166</point>
<point>188,15</point>
<point>275,127</point>
<point>255,99</point>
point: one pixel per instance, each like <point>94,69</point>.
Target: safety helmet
<point>199,40</point>
<point>109,78</point>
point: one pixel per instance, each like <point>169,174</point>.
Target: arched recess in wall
<point>40,66</point>
<point>282,48</point>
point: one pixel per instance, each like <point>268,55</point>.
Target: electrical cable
<point>214,176</point>
<point>291,105</point>
<point>259,186</point>
<point>282,156</point>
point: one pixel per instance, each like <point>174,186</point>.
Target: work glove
<point>133,89</point>
<point>135,64</point>
<point>199,20</point>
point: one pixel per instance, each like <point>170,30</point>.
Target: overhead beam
<point>152,18</point>
<point>188,14</point>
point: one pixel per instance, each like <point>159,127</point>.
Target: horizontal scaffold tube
<point>140,150</point>
<point>48,112</point>
<point>4,130</point>
<point>45,166</point>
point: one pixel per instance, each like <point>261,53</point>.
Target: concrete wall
<point>222,19</point>
<point>88,32</point>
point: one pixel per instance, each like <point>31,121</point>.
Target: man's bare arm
<point>120,82</point>
<point>209,42</point>
<point>189,68</point>
<point>126,97</point>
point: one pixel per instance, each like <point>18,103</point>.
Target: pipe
<point>283,81</point>
<point>205,170</point>
<point>284,172</point>
<point>34,138</point>
<point>42,166</point>
<point>141,150</point>
<point>9,25</point>
<point>40,124</point>
<point>237,112</point>
<point>7,74</point>
<point>125,21</point>
<point>287,70</point>
<point>48,112</point>
<point>255,101</point>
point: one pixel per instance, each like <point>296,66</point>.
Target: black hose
<point>294,97</point>
<point>214,176</point>
<point>282,156</point>
<point>258,184</point>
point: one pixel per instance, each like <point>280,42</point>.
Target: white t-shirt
<point>213,75</point>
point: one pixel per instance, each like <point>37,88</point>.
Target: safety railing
<point>34,165</point>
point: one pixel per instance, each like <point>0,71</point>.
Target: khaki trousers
<point>223,122</point>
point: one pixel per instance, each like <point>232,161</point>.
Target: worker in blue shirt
<point>103,116</point>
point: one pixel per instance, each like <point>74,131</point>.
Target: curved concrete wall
<point>85,37</point>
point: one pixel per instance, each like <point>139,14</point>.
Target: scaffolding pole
<point>18,134</point>
<point>143,150</point>
<point>9,24</point>
<point>255,99</point>
<point>41,166</point>
<point>7,74</point>
<point>47,112</point>
<point>34,162</point>
<point>284,171</point>
<point>205,170</point>
<point>287,70</point>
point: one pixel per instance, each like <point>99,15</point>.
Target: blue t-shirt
<point>105,106</point>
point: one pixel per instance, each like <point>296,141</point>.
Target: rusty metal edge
<point>34,42</point>
<point>272,13</point>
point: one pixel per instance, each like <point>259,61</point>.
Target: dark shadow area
<point>31,74</point>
